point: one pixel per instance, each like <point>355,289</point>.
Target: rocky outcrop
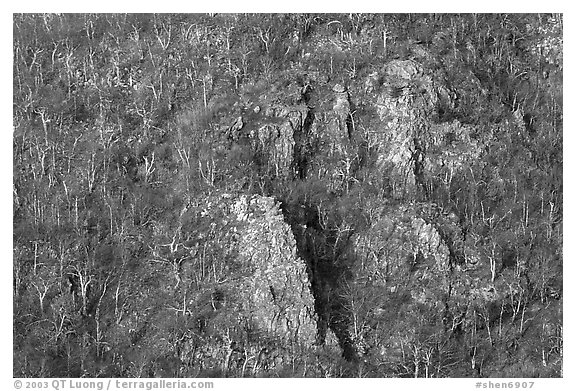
<point>288,135</point>
<point>416,253</point>
<point>256,301</point>
<point>408,238</point>
<point>272,122</point>
<point>273,137</point>
<point>413,145</point>
<point>277,294</point>
<point>416,266</point>
<point>405,106</point>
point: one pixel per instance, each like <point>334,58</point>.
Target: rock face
<point>409,238</point>
<point>415,268</point>
<point>277,296</point>
<point>414,274</point>
<point>272,122</point>
<point>256,299</point>
<point>405,106</point>
<point>412,143</point>
<point>273,138</point>
<point>397,243</point>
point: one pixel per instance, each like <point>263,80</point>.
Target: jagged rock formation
<point>416,255</point>
<point>260,309</point>
<point>405,106</point>
<point>413,261</point>
<point>274,138</point>
<point>414,149</point>
<point>277,295</point>
<point>271,123</point>
<point>413,145</point>
<point>406,239</point>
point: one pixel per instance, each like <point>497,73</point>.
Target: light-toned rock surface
<point>277,295</point>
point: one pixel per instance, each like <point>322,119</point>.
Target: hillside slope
<point>288,195</point>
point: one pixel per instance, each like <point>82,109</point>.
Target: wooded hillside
<point>295,195</point>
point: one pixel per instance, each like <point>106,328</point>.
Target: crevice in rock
<point>418,157</point>
<point>302,147</point>
<point>448,226</point>
<point>316,246</point>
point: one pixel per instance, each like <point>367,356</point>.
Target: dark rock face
<point>274,125</point>
<point>274,139</point>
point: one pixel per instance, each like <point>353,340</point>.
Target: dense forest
<point>287,195</point>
